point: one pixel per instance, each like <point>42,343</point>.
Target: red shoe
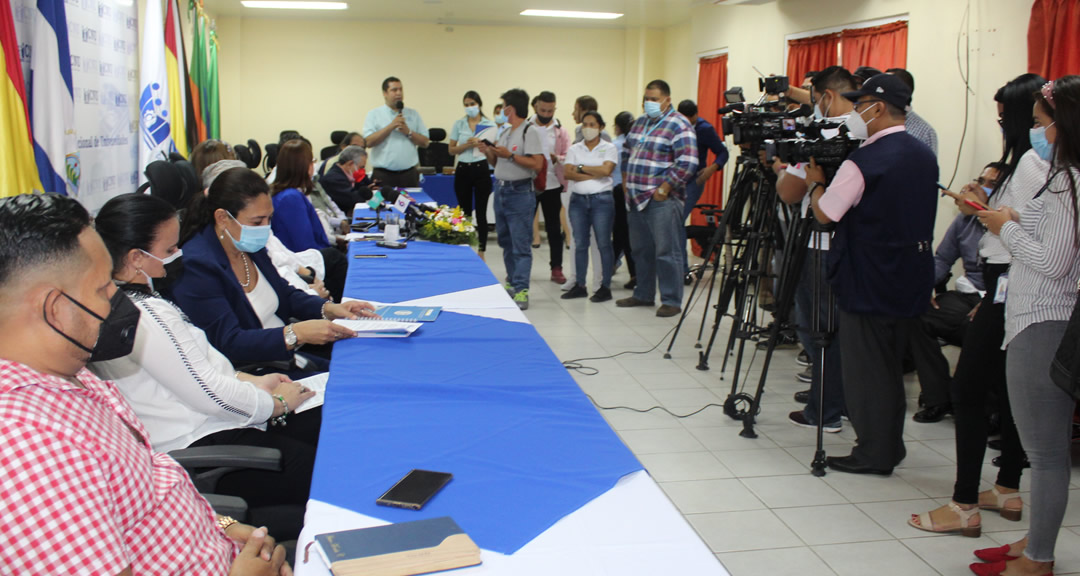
<point>995,554</point>
<point>557,275</point>
<point>993,569</point>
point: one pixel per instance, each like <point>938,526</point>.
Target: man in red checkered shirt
<point>81,492</point>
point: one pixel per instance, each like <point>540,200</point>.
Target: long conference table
<point>541,482</point>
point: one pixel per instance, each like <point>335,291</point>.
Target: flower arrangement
<point>449,226</point>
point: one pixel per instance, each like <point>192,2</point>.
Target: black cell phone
<point>415,489</point>
<point>488,142</point>
<point>391,245</point>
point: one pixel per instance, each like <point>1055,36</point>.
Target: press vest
<point>882,258</point>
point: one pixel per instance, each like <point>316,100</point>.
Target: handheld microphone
<point>400,106</point>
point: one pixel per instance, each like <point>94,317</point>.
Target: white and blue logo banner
<point>155,133</point>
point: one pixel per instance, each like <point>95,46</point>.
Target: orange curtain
<point>712,82</point>
<point>881,47</point>
<point>1054,38</point>
<point>811,54</point>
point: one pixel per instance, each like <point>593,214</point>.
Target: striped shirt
<point>1016,192</point>
<point>655,152</point>
<point>1045,266</point>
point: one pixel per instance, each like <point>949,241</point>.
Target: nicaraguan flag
<point>155,137</point>
<point>52,107</point>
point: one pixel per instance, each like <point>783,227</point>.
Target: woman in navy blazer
<point>225,259</point>
<point>296,223</point>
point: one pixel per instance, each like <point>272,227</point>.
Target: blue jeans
<point>654,237</point>
<point>598,212</point>
<point>514,205</point>
<point>693,194</point>
<point>833,406</point>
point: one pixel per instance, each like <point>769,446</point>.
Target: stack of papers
<point>370,328</point>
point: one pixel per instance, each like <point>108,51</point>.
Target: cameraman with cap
<point>827,88</point>
<point>881,264</point>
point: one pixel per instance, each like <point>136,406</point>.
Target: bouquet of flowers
<point>449,226</point>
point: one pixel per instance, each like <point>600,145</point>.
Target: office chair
<point>437,154</point>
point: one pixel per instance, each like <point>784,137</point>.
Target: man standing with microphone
<point>881,264</point>
<point>393,132</point>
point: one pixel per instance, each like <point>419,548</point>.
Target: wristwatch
<point>580,168</point>
<point>225,521</point>
<point>290,337</point>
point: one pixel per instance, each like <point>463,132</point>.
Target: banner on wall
<point>52,103</point>
<point>103,41</point>
<point>155,131</point>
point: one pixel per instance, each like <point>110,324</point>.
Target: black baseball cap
<point>884,87</point>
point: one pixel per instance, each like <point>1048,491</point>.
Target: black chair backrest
<point>328,152</point>
<point>270,159</point>
<point>437,134</point>
<point>337,136</point>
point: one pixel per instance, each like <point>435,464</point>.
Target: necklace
<point>247,271</point>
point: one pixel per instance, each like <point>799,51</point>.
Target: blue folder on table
<point>409,313</point>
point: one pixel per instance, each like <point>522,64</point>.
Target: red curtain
<point>712,82</point>
<point>881,47</point>
<point>815,53</point>
<point>1054,38</point>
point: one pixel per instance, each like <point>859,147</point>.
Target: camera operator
<point>884,201</point>
<point>827,88</point>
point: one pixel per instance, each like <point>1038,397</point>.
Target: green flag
<point>214,101</point>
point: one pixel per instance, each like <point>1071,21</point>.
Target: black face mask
<point>543,120</point>
<point>173,270</point>
<point>116,337</point>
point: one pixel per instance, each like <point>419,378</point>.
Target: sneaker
<point>557,275</point>
<point>799,419</point>
<point>803,359</point>
<point>806,376</point>
<point>509,289</point>
<point>631,284</point>
<point>522,299</point>
<point>602,294</point>
<point>666,311</point>
<point>578,291</point>
<point>802,396</point>
<point>631,302</point>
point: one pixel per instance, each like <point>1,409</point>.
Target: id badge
<point>1002,289</point>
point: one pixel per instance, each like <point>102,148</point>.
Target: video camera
<point>753,124</point>
<point>813,143</point>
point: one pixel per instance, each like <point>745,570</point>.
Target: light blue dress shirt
<point>461,132</point>
<point>396,152</point>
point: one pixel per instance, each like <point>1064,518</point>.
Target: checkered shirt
<point>655,152</point>
<point>80,494</point>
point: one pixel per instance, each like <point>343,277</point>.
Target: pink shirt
<point>848,185</point>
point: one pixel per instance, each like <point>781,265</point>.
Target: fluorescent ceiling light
<point>572,14</point>
<point>294,5</point>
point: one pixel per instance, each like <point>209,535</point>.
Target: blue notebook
<point>409,313</point>
<point>402,549</point>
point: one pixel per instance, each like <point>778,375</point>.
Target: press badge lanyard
<point>645,137</point>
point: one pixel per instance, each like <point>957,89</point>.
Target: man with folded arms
<point>81,490</point>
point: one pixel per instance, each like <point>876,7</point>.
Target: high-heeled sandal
<point>925,523</point>
<point>999,554</point>
<point>1006,513</point>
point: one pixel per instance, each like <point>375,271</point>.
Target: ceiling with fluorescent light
<point>651,13</point>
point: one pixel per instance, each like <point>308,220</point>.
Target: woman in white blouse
<point>184,391</point>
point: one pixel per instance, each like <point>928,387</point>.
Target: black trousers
<point>872,352</point>
<point>284,490</point>
<point>620,242</point>
<point>474,181</point>
<point>949,321</point>
<point>551,202</point>
<point>398,179</point>
<point>337,267</point>
<point>980,373</point>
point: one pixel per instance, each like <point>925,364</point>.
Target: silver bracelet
<point>324,317</point>
<point>280,420</point>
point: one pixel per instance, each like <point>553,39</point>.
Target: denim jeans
<point>515,203</point>
<point>693,194</point>
<point>833,406</point>
<point>592,213</point>
<point>1043,415</point>
<point>654,237</point>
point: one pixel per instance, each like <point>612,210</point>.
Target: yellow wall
<point>754,36</point>
<point>320,76</point>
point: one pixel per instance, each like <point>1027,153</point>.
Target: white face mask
<point>164,262</point>
<point>590,134</point>
<point>858,127</point>
<point>472,111</point>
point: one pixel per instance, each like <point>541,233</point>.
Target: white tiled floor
<point>754,502</point>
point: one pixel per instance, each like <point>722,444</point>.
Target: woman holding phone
<point>472,177</point>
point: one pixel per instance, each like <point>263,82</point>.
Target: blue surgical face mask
<point>652,109</point>
<point>472,111</point>
<point>252,238</point>
<point>501,118</point>
<point>1040,144</point>
<point>989,191</point>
